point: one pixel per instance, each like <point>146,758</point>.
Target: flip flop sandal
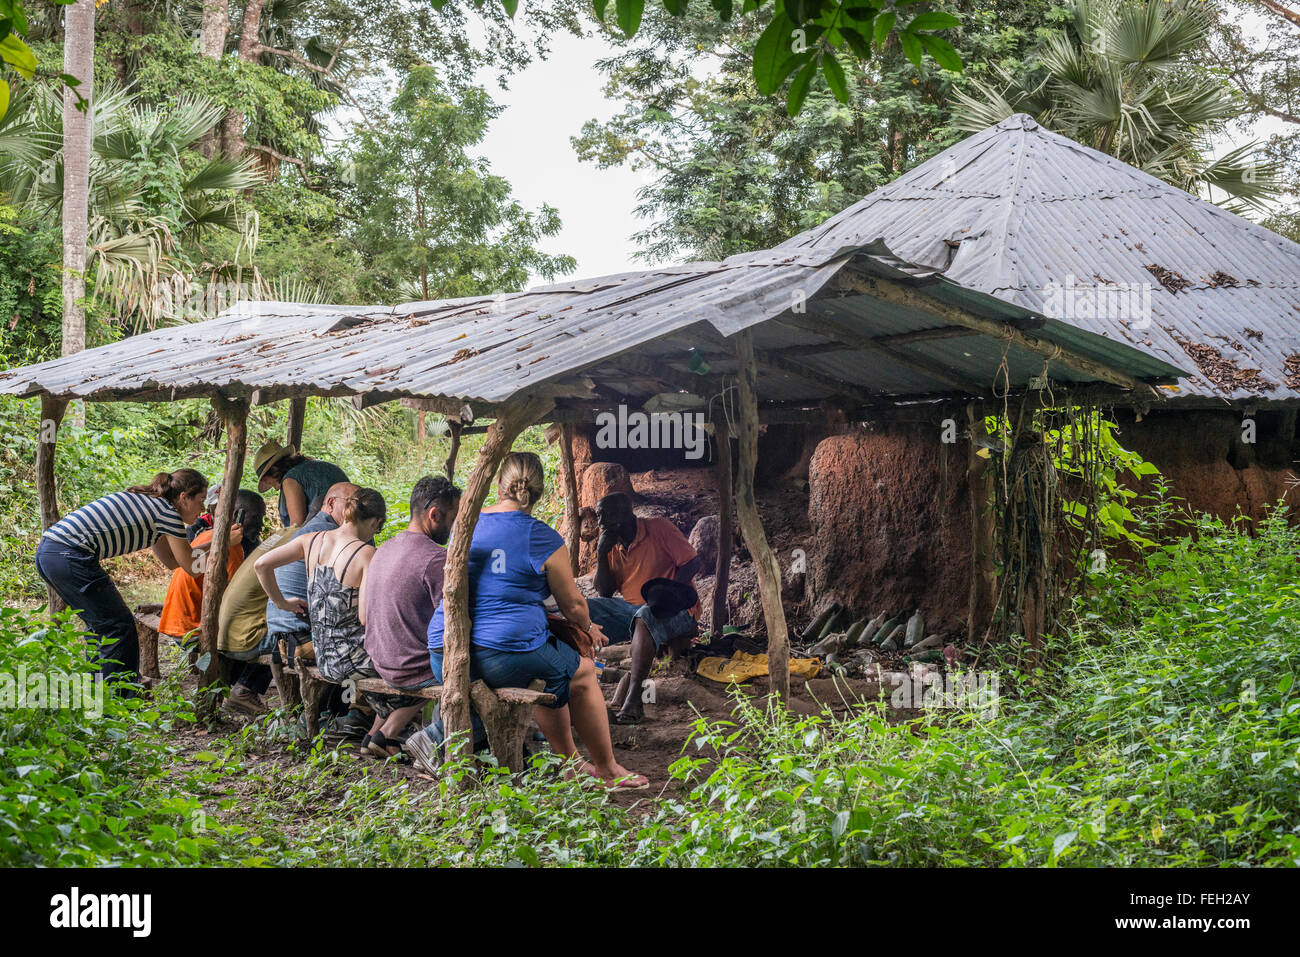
<point>379,743</point>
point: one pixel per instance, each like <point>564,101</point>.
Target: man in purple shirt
<point>403,586</point>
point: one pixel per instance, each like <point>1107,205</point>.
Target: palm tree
<point>150,201</point>
<point>1124,77</point>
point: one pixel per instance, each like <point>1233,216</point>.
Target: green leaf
<point>598,6</point>
<point>723,7</point>
<point>911,48</point>
<point>511,6</point>
<point>4,97</point>
<point>629,15</point>
<point>839,825</point>
<point>14,52</point>
<point>884,23</point>
<point>774,57</point>
<point>799,88</point>
<point>1062,842</point>
<point>835,77</point>
<point>933,21</point>
<point>676,8</point>
<point>857,42</point>
<point>943,52</point>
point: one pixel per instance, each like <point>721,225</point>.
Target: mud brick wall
<point>888,532</point>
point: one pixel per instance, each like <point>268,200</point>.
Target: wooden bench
<point>506,712</point>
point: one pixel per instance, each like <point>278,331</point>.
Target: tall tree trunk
<point>78,61</point>
<point>212,42</point>
<point>232,132</point>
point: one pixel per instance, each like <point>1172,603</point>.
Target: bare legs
<point>627,700</point>
<point>586,712</point>
<point>392,726</point>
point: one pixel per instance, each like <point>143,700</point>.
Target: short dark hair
<point>430,489</point>
<point>254,507</point>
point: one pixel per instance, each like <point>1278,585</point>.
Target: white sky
<point>529,145</point>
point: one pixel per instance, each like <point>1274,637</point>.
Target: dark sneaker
<point>355,726</point>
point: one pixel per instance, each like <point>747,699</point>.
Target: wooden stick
<point>722,572</point>
<point>979,480</point>
<point>751,524</point>
<point>52,410</point>
<point>235,415</point>
<point>449,466</point>
<point>297,417</point>
<point>572,522</point>
<point>455,583</point>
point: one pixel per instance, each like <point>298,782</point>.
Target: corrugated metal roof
<point>1015,209</point>
<point>491,349</point>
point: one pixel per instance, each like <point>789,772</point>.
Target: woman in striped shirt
<point>70,553</point>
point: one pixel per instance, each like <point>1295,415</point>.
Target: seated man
<point>184,602</point>
<point>399,594</point>
<point>630,552</point>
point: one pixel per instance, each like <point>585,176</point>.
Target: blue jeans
<point>617,618</point>
<point>79,579</point>
<point>554,662</point>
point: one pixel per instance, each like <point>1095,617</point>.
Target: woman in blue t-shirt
<point>515,563</point>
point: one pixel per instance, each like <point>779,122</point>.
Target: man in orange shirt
<point>630,553</point>
<point>182,606</point>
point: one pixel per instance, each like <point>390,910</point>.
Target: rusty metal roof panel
<point>494,348</point>
<point>1041,221</point>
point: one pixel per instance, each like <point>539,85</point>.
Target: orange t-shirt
<point>658,550</point>
<point>182,606</point>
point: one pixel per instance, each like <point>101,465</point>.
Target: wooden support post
<point>297,416</point>
<point>726,542</point>
<point>506,720</point>
<point>52,410</point>
<point>235,415</point>
<point>979,481</point>
<point>454,427</point>
<point>455,584</point>
<point>419,428</point>
<point>287,683</point>
<point>313,693</point>
<point>569,479</point>
<point>751,524</point>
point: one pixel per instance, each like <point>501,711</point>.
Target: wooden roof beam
<point>828,326</point>
<point>888,290</point>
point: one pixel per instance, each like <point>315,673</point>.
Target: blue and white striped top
<point>118,524</point>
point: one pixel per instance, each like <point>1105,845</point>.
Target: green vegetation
<point>1163,732</point>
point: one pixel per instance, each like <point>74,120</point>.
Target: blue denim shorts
<point>553,661</point>
<point>617,617</point>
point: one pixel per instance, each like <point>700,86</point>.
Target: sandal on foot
<point>379,744</point>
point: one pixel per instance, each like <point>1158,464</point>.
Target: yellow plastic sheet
<point>741,667</point>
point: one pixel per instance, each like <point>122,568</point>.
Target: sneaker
<point>425,752</point>
<point>244,701</point>
<point>356,725</point>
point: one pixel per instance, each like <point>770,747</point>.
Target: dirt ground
<point>680,699</point>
